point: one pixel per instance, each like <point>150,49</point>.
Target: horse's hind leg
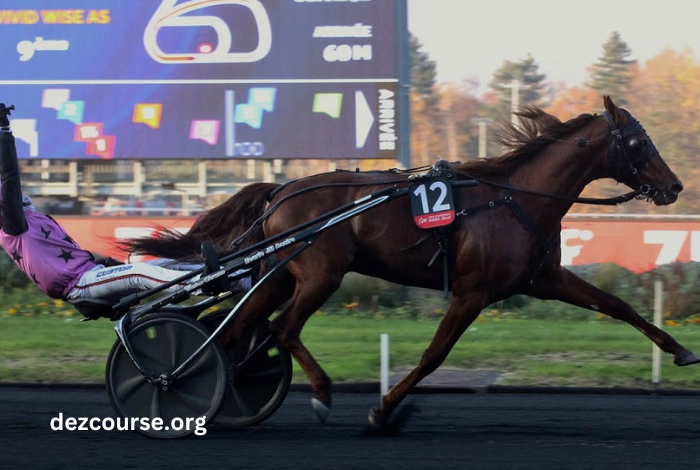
<point>308,297</point>
<point>263,303</point>
<point>563,285</point>
<point>462,312</point>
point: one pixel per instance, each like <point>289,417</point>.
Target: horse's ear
<point>613,110</point>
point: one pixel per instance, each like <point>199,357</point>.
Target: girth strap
<point>528,223</point>
<point>543,242</point>
<point>520,214</point>
<point>442,234</point>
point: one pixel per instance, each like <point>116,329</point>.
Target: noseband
<point>623,141</point>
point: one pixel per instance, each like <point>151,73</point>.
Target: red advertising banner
<point>101,234</point>
<point>638,245</point>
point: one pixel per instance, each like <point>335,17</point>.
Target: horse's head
<point>633,159</point>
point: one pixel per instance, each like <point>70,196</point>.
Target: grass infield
<point>55,348</point>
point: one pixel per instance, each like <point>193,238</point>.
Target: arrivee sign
<point>638,245</point>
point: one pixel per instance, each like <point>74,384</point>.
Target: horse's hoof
<point>322,411</point>
<point>375,417</point>
<point>383,426</point>
<point>377,424</point>
<point>686,358</point>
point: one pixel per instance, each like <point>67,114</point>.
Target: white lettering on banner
<point>346,53</point>
<point>672,242</point>
<point>569,252</point>
<point>387,120</point>
<point>358,30</point>
<point>247,149</point>
<point>89,132</point>
<point>694,246</point>
<point>26,49</point>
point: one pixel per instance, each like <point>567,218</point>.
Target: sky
<point>471,39</point>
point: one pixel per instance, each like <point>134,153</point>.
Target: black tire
<point>162,343</point>
<point>256,391</point>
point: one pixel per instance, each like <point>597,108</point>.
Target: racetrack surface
<point>465,431</point>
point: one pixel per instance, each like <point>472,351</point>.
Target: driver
<point>53,261</point>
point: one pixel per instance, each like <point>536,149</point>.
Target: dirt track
<point>500,431</point>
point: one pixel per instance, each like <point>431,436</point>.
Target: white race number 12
<point>439,205</point>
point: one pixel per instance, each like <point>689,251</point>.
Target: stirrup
<point>212,265</point>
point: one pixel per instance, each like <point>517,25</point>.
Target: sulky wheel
<point>162,343</point>
<point>257,388</point>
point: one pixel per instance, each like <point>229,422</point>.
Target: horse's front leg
<point>463,310</point>
<point>563,285</point>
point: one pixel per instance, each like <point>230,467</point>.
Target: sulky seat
<point>93,309</point>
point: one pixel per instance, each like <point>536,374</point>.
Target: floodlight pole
<point>384,366</point>
<point>656,352</point>
<point>514,86</point>
<point>482,123</point>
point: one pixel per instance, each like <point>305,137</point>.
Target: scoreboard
<point>203,79</point>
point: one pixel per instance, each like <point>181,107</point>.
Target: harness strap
<point>528,223</point>
<point>488,205</point>
<point>520,214</point>
<point>424,238</point>
<point>442,234</point>
<point>610,201</point>
<point>241,238</point>
<point>543,242</point>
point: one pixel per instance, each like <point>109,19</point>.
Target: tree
<point>426,141</point>
<point>666,97</point>
<point>458,108</point>
<point>613,73</point>
<point>574,101</point>
<point>423,72</point>
<point>532,91</point>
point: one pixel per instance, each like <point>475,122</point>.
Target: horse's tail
<point>219,226</point>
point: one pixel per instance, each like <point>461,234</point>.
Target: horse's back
<point>383,242</point>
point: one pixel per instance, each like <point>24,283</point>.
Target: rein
<point>609,201</point>
<point>274,207</point>
<point>616,134</point>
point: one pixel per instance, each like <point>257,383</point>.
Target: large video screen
<point>120,79</point>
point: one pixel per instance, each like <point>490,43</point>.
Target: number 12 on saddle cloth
<point>432,203</point>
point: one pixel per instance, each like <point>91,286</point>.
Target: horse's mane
<point>537,129</point>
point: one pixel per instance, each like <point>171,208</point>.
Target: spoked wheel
<point>162,343</point>
<point>258,387</point>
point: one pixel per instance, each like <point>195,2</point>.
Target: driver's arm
<point>11,209</point>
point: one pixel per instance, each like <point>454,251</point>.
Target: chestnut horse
<point>505,241</point>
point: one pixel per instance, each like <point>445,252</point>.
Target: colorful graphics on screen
<point>169,79</point>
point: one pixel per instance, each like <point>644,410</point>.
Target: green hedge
<point>681,286</point>
<point>10,276</point>
<point>365,296</point>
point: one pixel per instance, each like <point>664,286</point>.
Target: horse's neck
<point>562,169</point>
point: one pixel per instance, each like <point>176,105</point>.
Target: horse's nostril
<point>676,188</point>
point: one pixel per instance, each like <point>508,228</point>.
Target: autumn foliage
<point>664,94</point>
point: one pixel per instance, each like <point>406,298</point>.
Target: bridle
<point>623,142</point>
